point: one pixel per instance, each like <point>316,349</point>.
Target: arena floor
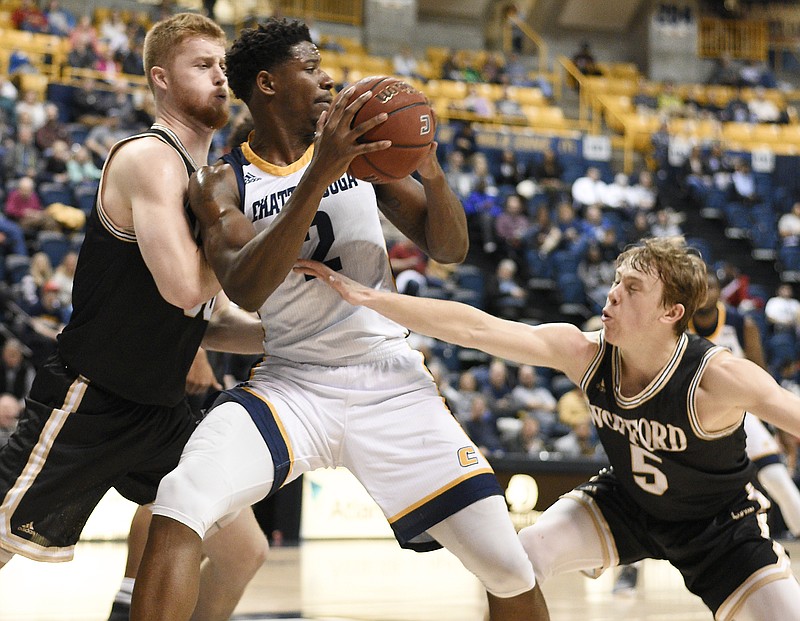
<point>347,581</point>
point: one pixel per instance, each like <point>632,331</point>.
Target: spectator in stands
<point>60,21</point>
<point>22,158</point>
<point>581,441</point>
<point>39,272</point>
<point>507,106</point>
<point>644,194</point>
<point>482,206</point>
<point>735,284</point>
<point>725,72</point>
<point>783,310</point>
<point>670,102</point>
<point>459,178</point>
<point>756,74</point>
<point>510,171</point>
<point>666,224</point>
<point>131,59</point>
<point>48,318</point>
<point>10,409</point>
<point>529,440</point>
<point>543,240</point>
<point>597,275</point>
<point>548,174</point>
<point>789,227</point>
<point>12,238</point>
<point>743,183</point>
<point>511,229</point>
<point>481,426</point>
<point>405,64</point>
<point>105,62</point>
<point>113,31</point>
<point>695,174</point>
<point>89,105</point>
<point>589,189</point>
<point>516,72</point>
<point>736,110</point>
<point>52,130</point>
<point>33,107</point>
<point>573,408</point>
<point>575,233</point>
<point>530,394</point>
<point>81,166</point>
<point>27,16</point>
<point>84,34</point>
<point>615,195</point>
<point>16,372</point>
<point>105,135</point>
<point>494,69</point>
<point>409,265</point>
<point>596,223</point>
<point>507,298</point>
<point>497,389</point>
<point>466,391</point>
<point>464,140</point>
<point>763,110</point>
<point>55,163</point>
<point>64,276</point>
<point>24,207</point>
<point>660,141</point>
<point>450,69</point>
<point>639,228</point>
<point>476,103</point>
<point>611,245</point>
<point>584,60</point>
<point>8,99</point>
<point>82,56</point>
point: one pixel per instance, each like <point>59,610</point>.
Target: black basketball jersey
<point>674,469</point>
<point>123,336</point>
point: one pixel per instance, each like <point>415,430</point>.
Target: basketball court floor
<point>350,580</point>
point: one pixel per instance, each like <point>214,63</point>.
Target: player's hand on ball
<point>337,143</point>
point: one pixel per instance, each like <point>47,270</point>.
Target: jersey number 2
<point>325,233</point>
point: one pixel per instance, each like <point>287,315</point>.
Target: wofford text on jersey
<point>649,434</point>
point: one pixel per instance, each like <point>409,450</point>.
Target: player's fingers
<point>365,126</point>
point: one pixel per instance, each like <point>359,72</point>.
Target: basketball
<point>410,127</point>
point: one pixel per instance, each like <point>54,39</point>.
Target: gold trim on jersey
<point>691,405</point>
<point>438,492</point>
<point>598,358</point>
<point>280,426</point>
<point>781,570</point>
<point>273,169</point>
<point>610,554</point>
<point>39,551</point>
<point>129,235</point>
<point>655,385</point>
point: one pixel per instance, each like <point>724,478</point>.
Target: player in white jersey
<point>339,385</point>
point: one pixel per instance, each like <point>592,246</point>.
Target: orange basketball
<point>410,127</point>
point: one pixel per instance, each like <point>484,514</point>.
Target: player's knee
<point>189,495</point>
<point>540,555</point>
<point>510,576</point>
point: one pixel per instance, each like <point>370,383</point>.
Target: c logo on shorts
<point>467,456</point>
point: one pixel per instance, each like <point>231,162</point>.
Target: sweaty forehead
<point>304,51</point>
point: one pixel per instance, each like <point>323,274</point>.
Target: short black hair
<point>260,49</point>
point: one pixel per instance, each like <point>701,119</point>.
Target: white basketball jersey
<point>305,320</point>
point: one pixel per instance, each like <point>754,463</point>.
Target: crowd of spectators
<point>533,231</point>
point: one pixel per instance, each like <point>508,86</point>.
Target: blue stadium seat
<point>84,196</point>
<point>54,192</point>
<point>703,246</point>
<point>17,266</point>
<point>54,244</point>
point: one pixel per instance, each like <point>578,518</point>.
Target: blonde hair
<point>681,270</point>
<point>164,38</point>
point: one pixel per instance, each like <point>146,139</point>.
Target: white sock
<point>125,591</point>
<point>779,485</point>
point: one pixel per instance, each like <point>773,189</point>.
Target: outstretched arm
<point>249,266</point>
<point>559,345</point>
